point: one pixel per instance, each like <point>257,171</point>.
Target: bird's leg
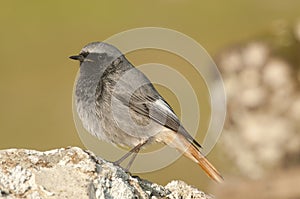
<point>134,150</point>
<point>132,159</point>
<point>119,161</point>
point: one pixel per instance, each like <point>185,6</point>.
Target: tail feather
<point>179,142</point>
<point>209,169</point>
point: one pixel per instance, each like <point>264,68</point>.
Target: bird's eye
<point>102,56</point>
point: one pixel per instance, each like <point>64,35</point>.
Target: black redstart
<point>117,103</point>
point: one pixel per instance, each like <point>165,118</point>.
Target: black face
<point>79,57</point>
<point>91,57</point>
<point>84,54</point>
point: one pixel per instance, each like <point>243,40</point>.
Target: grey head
<point>96,56</point>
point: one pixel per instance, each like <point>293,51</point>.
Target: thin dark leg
<point>134,150</point>
<point>132,159</point>
<point>118,162</point>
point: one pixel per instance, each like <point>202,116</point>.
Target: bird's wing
<point>145,100</point>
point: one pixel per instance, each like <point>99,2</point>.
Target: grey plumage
<point>117,103</point>
<point>106,78</point>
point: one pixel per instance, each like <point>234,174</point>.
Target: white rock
<point>74,173</point>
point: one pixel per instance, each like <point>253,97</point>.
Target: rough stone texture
<point>75,173</point>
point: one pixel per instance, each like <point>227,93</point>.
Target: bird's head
<point>97,55</point>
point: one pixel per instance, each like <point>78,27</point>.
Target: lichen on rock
<point>76,173</point>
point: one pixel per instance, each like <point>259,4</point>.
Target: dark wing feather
<point>145,100</point>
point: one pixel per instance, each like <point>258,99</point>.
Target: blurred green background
<point>36,76</point>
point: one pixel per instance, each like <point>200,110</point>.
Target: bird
<point>118,104</point>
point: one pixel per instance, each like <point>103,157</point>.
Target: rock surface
<point>75,173</point>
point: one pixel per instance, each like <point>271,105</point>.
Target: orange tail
<point>179,142</point>
<point>209,169</point>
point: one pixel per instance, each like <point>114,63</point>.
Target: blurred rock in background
<point>262,81</point>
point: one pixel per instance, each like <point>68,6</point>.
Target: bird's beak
<point>77,57</point>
